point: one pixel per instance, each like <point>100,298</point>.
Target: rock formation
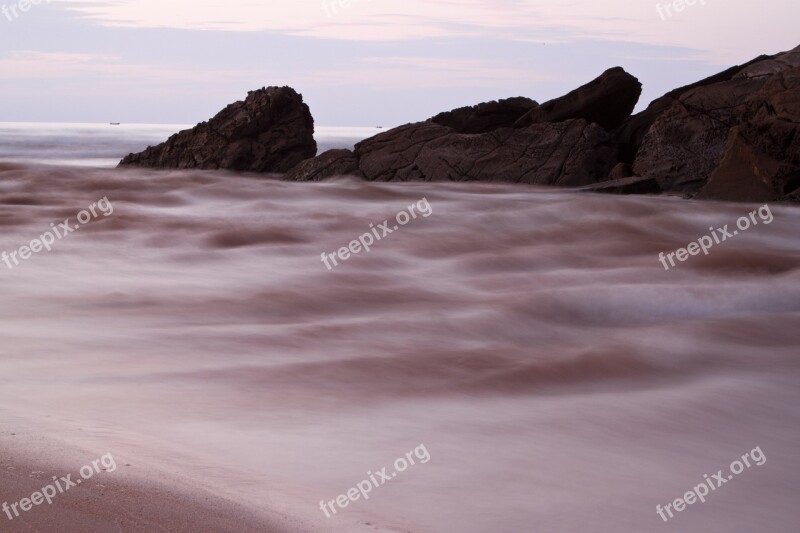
<point>606,101</point>
<point>734,136</point>
<point>270,131</point>
<point>488,143</point>
<point>486,117</point>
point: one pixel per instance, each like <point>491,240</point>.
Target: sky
<point>358,62</point>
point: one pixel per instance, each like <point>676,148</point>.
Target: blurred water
<point>560,378</point>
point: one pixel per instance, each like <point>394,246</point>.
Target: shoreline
<point>127,499</point>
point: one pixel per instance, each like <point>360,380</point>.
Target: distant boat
<point>115,123</point>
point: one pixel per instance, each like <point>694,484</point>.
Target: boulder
<point>607,100</point>
<point>734,138</point>
<point>270,131</point>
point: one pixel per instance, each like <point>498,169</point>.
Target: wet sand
<point>132,498</point>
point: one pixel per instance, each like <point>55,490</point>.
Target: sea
<point>103,145</point>
<point>560,378</point>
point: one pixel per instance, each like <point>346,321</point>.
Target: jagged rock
<point>607,100</point>
<point>325,165</point>
<point>633,130</point>
<point>569,153</point>
<point>733,136</point>
<point>694,140</point>
<point>476,144</point>
<point>743,174</point>
<point>486,117</point>
<point>270,131</point>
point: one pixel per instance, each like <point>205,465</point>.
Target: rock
<point>569,153</point>
<point>743,174</point>
<point>734,138</point>
<point>629,185</point>
<point>270,131</point>
<point>327,164</point>
<point>608,101</point>
<point>486,117</point>
<point>476,144</point>
<point>620,171</point>
<point>633,130</point>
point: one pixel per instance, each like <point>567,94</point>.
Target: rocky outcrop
<point>483,118</point>
<point>607,101</point>
<point>743,173</point>
<point>270,131</point>
<point>327,164</point>
<point>632,132</point>
<point>486,142</point>
<point>736,137</point>
<point>733,136</point>
<point>568,153</point>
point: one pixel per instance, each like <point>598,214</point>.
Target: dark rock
<point>733,136</point>
<point>483,118</point>
<point>743,174</point>
<point>629,185</point>
<point>737,138</point>
<point>568,153</point>
<point>325,165</point>
<point>632,132</point>
<point>270,131</point>
<point>620,171</point>
<point>608,101</point>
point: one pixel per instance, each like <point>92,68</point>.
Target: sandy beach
<point>133,498</point>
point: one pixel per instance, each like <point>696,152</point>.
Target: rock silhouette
<point>488,143</point>
<point>270,131</point>
<point>733,136</point>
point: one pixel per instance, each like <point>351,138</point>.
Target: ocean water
<point>559,377</point>
<point>103,145</point>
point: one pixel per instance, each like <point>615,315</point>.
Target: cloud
<point>715,29</point>
<point>30,64</point>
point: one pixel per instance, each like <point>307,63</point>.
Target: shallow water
<point>559,377</point>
